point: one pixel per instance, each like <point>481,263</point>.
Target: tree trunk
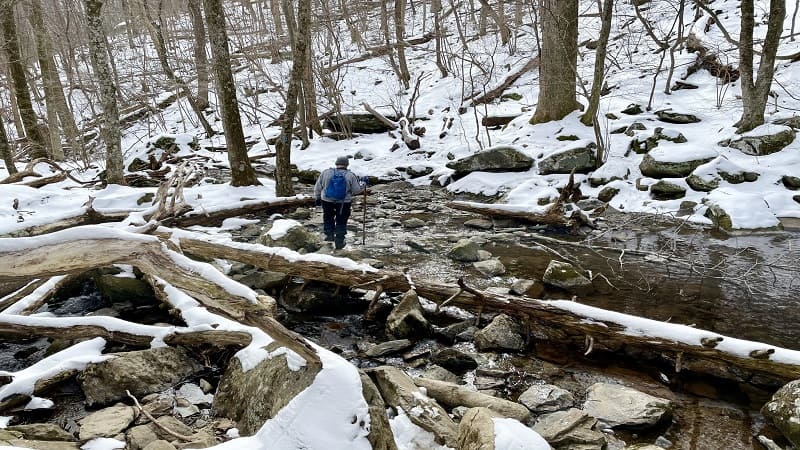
<point>5,150</point>
<point>157,36</point>
<point>559,60</point>
<point>109,129</point>
<point>399,30</point>
<point>606,14</point>
<point>200,59</point>
<point>17,71</point>
<point>755,93</point>
<point>242,173</point>
<point>283,147</point>
<point>436,9</point>
<point>499,19</point>
<point>48,82</point>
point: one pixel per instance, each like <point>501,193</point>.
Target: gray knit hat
<point>342,161</point>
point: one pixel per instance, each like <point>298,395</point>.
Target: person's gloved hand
<point>364,181</point>
<point>318,202</point>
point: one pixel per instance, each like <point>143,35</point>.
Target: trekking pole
<point>364,219</point>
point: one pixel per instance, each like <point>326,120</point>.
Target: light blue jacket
<point>354,187</point>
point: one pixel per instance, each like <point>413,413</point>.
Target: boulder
<point>479,224</point>
<point>399,391</point>
<point>632,109</point>
<point>476,430</point>
<point>418,171</point>
<point>612,170</point>
<point>528,288</point>
<point>665,190</point>
<point>621,406</point>
<point>571,429</point>
<point>607,194</point>
<point>264,280</point>
<point>454,360</point>
<point>495,159</point>
<point>439,373</point>
<point>783,410</point>
<point>141,372</point>
<point>581,159</point>
<point>452,395</point>
<point>406,319</point>
<point>380,432</point>
<point>565,276</point>
<point>490,267</point>
<point>657,165</point>
<point>292,235</point>
<point>546,398</point>
<point>791,182</point>
<point>39,445</point>
<point>159,445</point>
<point>793,122</point>
<point>764,140</point>
<point>117,289</point>
<point>413,223</point>
<point>670,116</point>
<point>388,348</point>
<point>41,432</point>
<point>702,184</point>
<point>734,210</point>
<point>106,422</point>
<point>252,397</point>
<point>450,332</point>
<point>465,250</point>
<point>357,122</point>
<point>502,333</point>
<point>651,142</point>
<point>139,437</point>
<point>313,297</point>
<point>643,447</point>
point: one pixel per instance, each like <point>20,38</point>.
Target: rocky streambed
<point>459,360</point>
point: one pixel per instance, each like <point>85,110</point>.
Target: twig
<point>156,423</point>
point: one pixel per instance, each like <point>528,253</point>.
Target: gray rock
<point>502,333</point>
<point>41,432</point>
<point>632,109</point>
<point>252,397</point>
<point>495,159</point>
<point>643,447</point>
<point>670,116</point>
<point>125,288</point>
<point>465,250</point>
<point>40,445</point>
<point>791,182</point>
<point>413,223</point>
<point>106,422</point>
<point>435,372</point>
<point>564,275</point>
<point>388,348</point>
<point>793,122</point>
<point>407,319</point>
<point>418,171</point>
<point>582,159</point>
<point>765,144</point>
<point>195,395</point>
<point>264,280</point>
<point>528,288</point>
<point>618,405</point>
<point>484,255</point>
<point>159,445</point>
<point>545,398</point>
<point>653,168</point>
<point>312,297</point>
<point>467,335</point>
<point>399,390</point>
<point>452,395</point>
<point>140,372</point>
<point>571,429</point>
<point>454,360</point>
<point>490,267</point>
<point>783,411</point>
<point>186,411</point>
<point>450,332</point>
<point>139,437</point>
<point>665,190</point>
<point>479,224</point>
<point>607,194</point>
<point>296,238</point>
<point>701,184</point>
<point>380,432</point>
<point>476,430</point>
<point>634,127</point>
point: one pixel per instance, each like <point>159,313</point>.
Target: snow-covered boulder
<point>612,170</point>
<point>617,405</point>
<point>642,146</point>
<point>782,409</point>
<point>545,398</point>
<point>570,428</point>
<point>580,157</point>
<point>674,161</point>
<point>734,210</point>
<point>292,235</point>
<point>565,276</point>
<point>141,372</point>
<point>481,429</point>
<point>502,333</point>
<point>667,190</point>
<point>495,159</point>
<point>764,140</point>
<point>670,116</point>
<point>406,319</point>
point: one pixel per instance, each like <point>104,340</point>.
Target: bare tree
<point>755,92</point>
<point>109,128</point>
<point>606,12</point>
<point>17,71</point>
<point>399,30</point>
<point>200,59</point>
<point>559,60</point>
<point>242,173</point>
<point>5,151</point>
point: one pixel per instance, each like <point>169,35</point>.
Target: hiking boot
<point>339,244</point>
<point>328,238</point>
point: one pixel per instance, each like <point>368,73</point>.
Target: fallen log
<point>32,297</point>
<point>553,215</point>
<point>493,94</point>
<point>565,322</point>
<point>374,52</point>
<point>83,248</point>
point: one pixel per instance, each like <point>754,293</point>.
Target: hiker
<point>334,191</point>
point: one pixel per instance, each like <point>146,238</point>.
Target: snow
<point>282,226</point>
<point>745,210</point>
<point>510,434</point>
<point>103,444</point>
<point>409,436</point>
<point>4,420</point>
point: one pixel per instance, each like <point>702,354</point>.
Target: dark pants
<point>334,217</point>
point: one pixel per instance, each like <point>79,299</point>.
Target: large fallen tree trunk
<point>495,93</point>
<point>83,248</point>
<point>565,322</point>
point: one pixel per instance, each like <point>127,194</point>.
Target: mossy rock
<point>511,96</point>
<point>567,137</point>
<point>664,190</point>
<point>607,194</point>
